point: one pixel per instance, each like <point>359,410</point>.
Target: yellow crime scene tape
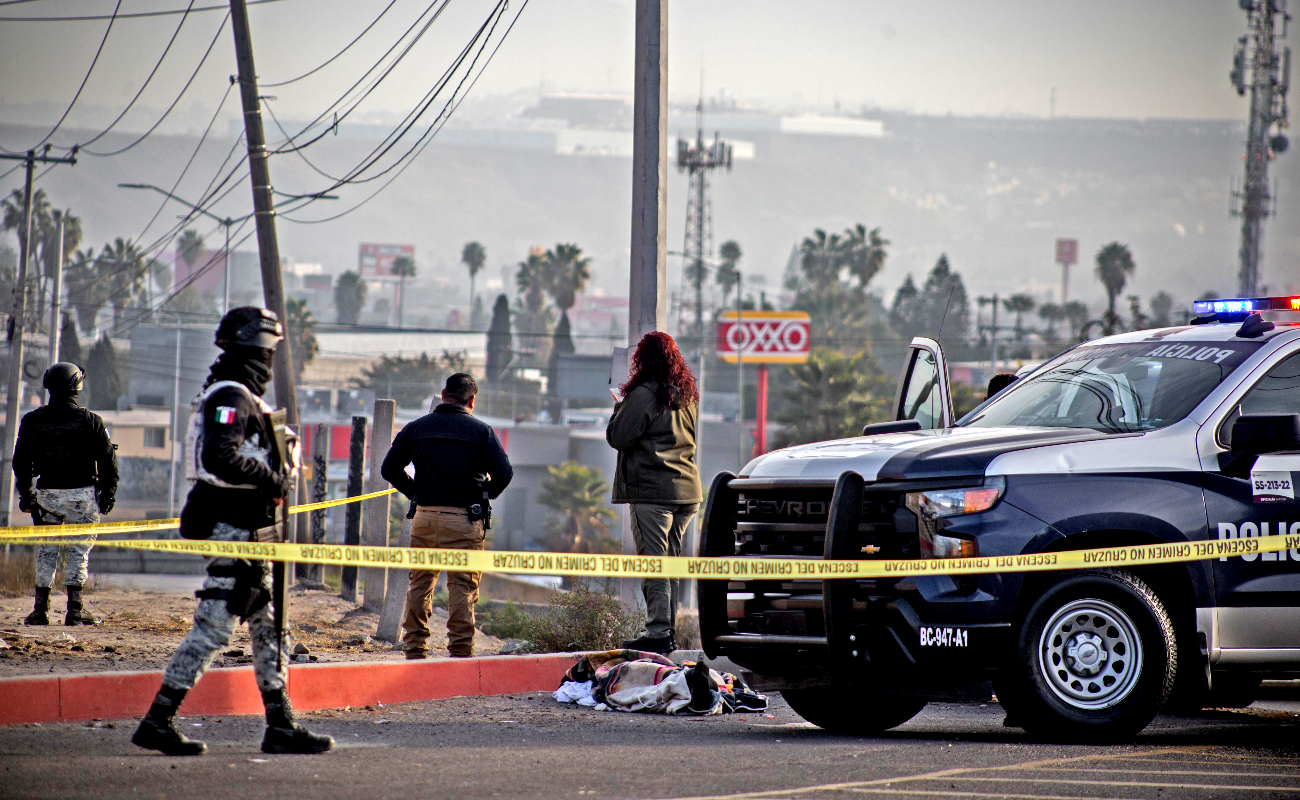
<point>14,532</point>
<point>715,568</point>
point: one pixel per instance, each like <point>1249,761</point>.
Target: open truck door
<point>924,391</point>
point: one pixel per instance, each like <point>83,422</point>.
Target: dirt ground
<point>140,630</point>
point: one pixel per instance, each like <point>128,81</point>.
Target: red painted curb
<point>120,695</point>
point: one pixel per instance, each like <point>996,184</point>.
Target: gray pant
<point>657,530</point>
<point>214,625</point>
<point>71,506</point>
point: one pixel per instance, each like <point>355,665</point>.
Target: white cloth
<point>573,692</point>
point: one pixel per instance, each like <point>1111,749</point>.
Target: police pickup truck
<point>1161,436</point>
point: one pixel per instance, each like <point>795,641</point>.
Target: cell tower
<point>698,159</point>
<point>1270,77</point>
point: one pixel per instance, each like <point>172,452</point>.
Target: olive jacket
<point>656,450</point>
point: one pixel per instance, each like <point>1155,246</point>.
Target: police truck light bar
<point>1253,305</point>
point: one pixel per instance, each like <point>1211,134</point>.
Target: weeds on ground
<point>687,631</point>
<point>17,573</point>
<point>511,622</point>
<point>582,619</point>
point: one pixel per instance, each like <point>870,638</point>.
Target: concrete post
<point>320,455</point>
<point>376,511</point>
<point>647,285</point>
<point>390,619</point>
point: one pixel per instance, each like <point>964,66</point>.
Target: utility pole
<point>14,384</point>
<point>268,247</point>
<point>647,290</point>
<point>697,160</point>
<point>56,301</point>
<point>1270,78</point>
<point>993,333</point>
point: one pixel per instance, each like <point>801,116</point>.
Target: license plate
<point>944,637</point>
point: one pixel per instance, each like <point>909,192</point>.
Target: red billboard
<point>1067,251</point>
<point>376,260</point>
<point>764,337</point>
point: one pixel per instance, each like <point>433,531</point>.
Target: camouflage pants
<point>66,505</point>
<point>214,625</point>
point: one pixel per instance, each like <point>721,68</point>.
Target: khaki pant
<point>447,528</point>
<point>657,530</point>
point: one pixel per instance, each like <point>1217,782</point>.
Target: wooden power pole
<point>268,246</point>
<point>18,323</point>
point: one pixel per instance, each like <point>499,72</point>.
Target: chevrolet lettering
<point>1155,445</point>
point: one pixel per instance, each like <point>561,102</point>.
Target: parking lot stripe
<point>1073,782</point>
<point>773,794</point>
<point>951,793</point>
<point>1164,772</point>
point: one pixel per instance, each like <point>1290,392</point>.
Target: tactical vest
<point>252,447</point>
<point>60,452</point>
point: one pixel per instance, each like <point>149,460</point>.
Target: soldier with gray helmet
<point>65,468</point>
<point>238,478</point>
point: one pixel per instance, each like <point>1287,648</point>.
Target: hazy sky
<point>1154,58</point>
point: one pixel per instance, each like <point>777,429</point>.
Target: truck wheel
<point>1096,659</point>
<point>851,709</point>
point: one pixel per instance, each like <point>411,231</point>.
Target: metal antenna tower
<point>1270,78</point>
<point>698,159</point>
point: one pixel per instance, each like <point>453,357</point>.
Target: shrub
<point>582,619</point>
<point>17,573</point>
<point>511,622</point>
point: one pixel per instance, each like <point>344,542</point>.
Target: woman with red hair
<point>653,430</point>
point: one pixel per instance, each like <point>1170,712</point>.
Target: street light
<point>226,222</point>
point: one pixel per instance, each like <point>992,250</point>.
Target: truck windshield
<point>1115,388</point>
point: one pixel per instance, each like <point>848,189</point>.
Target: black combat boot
<point>157,730</point>
<point>283,734</point>
<point>663,645</point>
<point>41,611</point>
<point>77,613</point>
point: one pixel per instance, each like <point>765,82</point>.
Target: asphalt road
<point>529,746</point>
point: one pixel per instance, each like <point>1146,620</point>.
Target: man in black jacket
<point>238,480</point>
<point>68,452</point>
<point>460,466</point>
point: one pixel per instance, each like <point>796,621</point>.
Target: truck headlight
<point>932,506</point>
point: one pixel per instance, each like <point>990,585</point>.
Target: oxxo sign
<point>764,337</point>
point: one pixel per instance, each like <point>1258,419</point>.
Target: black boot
<point>283,734</point>
<point>157,730</point>
<point>41,611</point>
<point>77,613</point>
<point>662,645</point>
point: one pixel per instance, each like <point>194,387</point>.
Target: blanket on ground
<point>635,681</point>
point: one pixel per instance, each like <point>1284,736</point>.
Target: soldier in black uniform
<point>67,451</point>
<point>237,484</point>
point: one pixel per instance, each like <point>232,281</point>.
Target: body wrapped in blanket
<point>631,680</point>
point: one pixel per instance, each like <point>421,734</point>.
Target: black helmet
<point>249,326</point>
<point>63,378</point>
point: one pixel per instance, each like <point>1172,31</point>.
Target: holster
<point>248,595</point>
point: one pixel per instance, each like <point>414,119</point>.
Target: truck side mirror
<point>1255,434</point>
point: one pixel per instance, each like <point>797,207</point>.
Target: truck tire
<point>1095,659</point>
<point>852,709</point>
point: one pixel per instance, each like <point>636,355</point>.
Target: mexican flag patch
<point>225,415</point>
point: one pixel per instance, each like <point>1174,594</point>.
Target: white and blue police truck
<point>1171,435</point>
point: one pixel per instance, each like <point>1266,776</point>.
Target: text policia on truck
<point>1173,437</point>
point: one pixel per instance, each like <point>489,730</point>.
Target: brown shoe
<point>415,655</point>
<point>461,655</point>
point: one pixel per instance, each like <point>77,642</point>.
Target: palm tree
<point>566,274</point>
<point>1051,314</point>
<point>349,297</point>
<point>121,270</point>
<point>576,493</point>
<point>1076,314</point>
<point>1162,306</point>
<point>533,317</point>
<point>85,295</point>
<point>817,257</point>
<point>473,256</point>
<point>832,396</point>
<point>403,268</point>
<point>728,273</point>
<point>1114,267</point>
<point>863,252</point>
<point>189,246</point>
<point>301,326</point>
<point>1019,304</point>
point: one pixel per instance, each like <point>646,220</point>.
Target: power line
<point>174,102</point>
<point>424,140</point>
<point>152,72</point>
<point>132,15</point>
<point>331,59</point>
<point>84,80</point>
